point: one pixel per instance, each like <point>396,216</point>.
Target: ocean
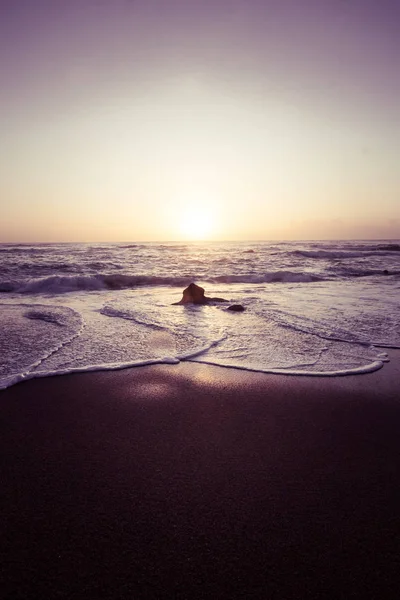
<point>311,308</point>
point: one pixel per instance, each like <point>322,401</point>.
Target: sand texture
<point>192,481</point>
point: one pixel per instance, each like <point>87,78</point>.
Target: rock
<point>194,294</point>
<point>236,308</point>
<point>216,299</point>
<point>386,272</point>
<point>249,251</point>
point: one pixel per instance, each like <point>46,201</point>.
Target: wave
<point>51,266</point>
<point>365,273</point>
<point>381,247</point>
<point>32,374</point>
<point>357,251</point>
<point>110,311</point>
<point>269,277</point>
<point>59,284</point>
<point>191,357</point>
<point>46,315</point>
<point>329,254</point>
<point>21,250</point>
<point>173,247</point>
<point>389,247</point>
<point>363,369</point>
<point>63,316</point>
<point>104,265</point>
<point>323,330</point>
<point>194,355</point>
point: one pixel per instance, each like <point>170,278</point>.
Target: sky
<point>217,119</point>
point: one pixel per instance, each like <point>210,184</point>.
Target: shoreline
<point>354,371</point>
<point>193,481</point>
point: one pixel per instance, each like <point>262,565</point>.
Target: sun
<point>197,223</point>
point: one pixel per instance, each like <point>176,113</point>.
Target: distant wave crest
<point>269,277</point>
<point>381,250</point>
<point>389,247</point>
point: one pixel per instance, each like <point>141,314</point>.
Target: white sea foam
<point>199,351</point>
<point>214,352</point>
<point>24,349</point>
<point>308,317</point>
<point>15,378</point>
<point>11,380</point>
<point>48,315</point>
<point>369,368</point>
<point>129,315</point>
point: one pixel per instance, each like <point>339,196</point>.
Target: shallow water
<point>318,308</point>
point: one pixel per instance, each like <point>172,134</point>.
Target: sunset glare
<point>114,114</point>
<point>197,224</point>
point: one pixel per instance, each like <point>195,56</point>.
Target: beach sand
<point>192,481</point>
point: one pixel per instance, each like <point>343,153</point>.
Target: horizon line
<point>183,242</point>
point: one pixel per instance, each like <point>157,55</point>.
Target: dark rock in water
<point>194,294</point>
<point>386,272</point>
<point>249,251</point>
<point>236,308</point>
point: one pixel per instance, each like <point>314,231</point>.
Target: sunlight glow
<point>197,223</point>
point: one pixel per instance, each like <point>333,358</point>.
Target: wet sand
<point>192,481</point>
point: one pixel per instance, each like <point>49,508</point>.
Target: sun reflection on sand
<point>154,390</point>
<point>207,376</point>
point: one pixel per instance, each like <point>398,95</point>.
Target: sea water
<point>311,308</point>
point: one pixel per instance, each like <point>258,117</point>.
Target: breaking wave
<point>59,284</point>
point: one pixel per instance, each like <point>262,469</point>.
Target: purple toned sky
<point>280,117</point>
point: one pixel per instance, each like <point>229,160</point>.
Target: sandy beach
<point>192,481</point>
